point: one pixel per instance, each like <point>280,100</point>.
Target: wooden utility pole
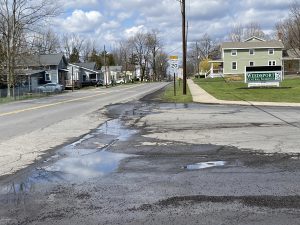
<point>105,72</point>
<point>183,46</point>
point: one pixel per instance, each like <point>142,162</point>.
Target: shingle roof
<point>44,60</point>
<point>248,45</point>
<point>113,68</point>
<point>87,65</point>
<point>29,72</point>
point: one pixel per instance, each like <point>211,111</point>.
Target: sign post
<point>174,68</point>
<point>263,76</point>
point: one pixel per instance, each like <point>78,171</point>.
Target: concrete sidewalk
<point>201,96</point>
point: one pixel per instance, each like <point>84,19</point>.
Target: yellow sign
<point>173,57</point>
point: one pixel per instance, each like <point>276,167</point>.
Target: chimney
<point>280,36</point>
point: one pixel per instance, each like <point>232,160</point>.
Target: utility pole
<point>183,46</point>
<point>72,79</point>
<point>105,75</point>
<point>197,59</point>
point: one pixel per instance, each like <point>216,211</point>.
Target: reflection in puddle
<point>115,128</point>
<point>73,167</point>
<point>204,165</point>
<point>85,166</point>
<point>74,163</point>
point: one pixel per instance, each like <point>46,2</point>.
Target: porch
<point>216,69</point>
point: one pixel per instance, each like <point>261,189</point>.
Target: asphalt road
<point>157,163</point>
<point>23,117</point>
<point>29,129</point>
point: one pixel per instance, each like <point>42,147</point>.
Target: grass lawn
<point>168,95</point>
<point>237,91</point>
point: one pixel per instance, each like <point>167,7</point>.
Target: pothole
<point>204,165</point>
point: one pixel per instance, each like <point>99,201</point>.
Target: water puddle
<point>85,165</point>
<point>115,128</point>
<point>75,162</point>
<point>204,165</point>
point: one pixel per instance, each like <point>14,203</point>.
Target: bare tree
<point>46,42</point>
<point>70,42</point>
<point>122,56</point>
<point>87,49</point>
<point>289,30</point>
<point>237,33</point>
<point>140,48</point>
<point>18,17</point>
<point>240,33</point>
<point>203,49</point>
<point>162,63</point>
<point>154,45</point>
<point>254,29</point>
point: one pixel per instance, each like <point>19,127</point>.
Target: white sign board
<point>263,76</point>
<point>174,65</point>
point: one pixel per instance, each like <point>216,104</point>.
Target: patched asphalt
<point>152,184</point>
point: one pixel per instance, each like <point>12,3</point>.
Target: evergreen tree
<point>74,56</point>
<point>95,58</point>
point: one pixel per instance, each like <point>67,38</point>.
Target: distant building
<point>41,69</point>
<point>251,52</point>
<point>82,74</point>
<point>111,73</point>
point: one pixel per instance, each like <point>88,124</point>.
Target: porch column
<point>211,69</point>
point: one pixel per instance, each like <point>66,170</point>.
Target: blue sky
<point>109,21</point>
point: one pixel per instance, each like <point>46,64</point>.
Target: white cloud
<point>81,21</point>
<point>79,3</point>
<point>133,30</point>
<point>118,19</point>
<point>123,16</point>
<point>110,25</point>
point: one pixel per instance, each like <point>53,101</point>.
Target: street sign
<point>174,65</point>
<point>263,76</point>
<point>173,57</point>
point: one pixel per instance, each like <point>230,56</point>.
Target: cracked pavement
<point>257,184</point>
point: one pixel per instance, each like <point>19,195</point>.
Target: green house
<point>251,52</point>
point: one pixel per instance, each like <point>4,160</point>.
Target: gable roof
<point>87,65</point>
<point>254,38</point>
<point>42,60</point>
<point>254,45</point>
<point>112,68</point>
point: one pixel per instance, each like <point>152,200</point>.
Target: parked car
<point>51,88</point>
<point>99,83</point>
<point>120,81</point>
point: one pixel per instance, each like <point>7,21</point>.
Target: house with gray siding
<point>82,74</point>
<point>54,65</point>
<point>251,52</point>
<point>111,73</point>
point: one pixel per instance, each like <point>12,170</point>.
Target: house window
<point>271,51</point>
<point>272,62</point>
<point>251,52</point>
<point>47,77</point>
<point>234,52</point>
<point>251,63</point>
<point>234,66</point>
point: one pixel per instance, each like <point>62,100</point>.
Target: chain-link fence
<point>24,92</point>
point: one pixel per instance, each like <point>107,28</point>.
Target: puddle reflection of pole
<point>106,126</point>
